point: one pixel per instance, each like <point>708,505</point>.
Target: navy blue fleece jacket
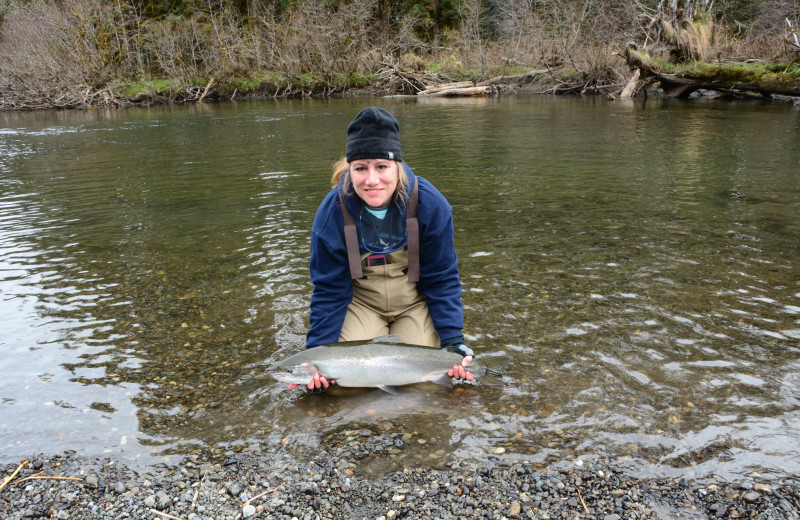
<point>330,272</point>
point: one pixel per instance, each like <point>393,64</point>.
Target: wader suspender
<point>412,229</point>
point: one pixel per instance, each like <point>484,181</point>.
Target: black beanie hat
<point>373,134</point>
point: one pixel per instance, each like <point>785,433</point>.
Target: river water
<point>638,261</point>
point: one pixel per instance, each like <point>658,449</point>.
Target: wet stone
<point>751,497</point>
<point>762,488</point>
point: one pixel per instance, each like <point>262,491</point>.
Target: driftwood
<point>11,477</point>
<point>447,86</point>
<point>632,85</point>
<point>483,88</point>
<point>460,91</point>
<point>418,83</point>
<point>205,92</point>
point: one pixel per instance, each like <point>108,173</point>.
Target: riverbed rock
<point>751,497</point>
<point>459,490</point>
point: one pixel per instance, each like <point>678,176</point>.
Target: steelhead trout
<point>383,362</point>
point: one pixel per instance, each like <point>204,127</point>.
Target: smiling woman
<point>375,181</point>
<point>380,266</point>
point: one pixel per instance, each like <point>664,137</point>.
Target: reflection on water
<point>638,261</point>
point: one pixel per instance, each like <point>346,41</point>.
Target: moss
<point>455,70</point>
<point>306,81</point>
<point>789,80</point>
<point>568,73</point>
<point>352,80</point>
<point>131,89</point>
<point>663,65</point>
<point>767,76</point>
<point>773,75</point>
<point>510,71</point>
<point>250,84</point>
<point>451,66</point>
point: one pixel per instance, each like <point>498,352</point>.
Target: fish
<point>384,362</point>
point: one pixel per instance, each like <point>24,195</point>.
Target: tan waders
<point>385,302</point>
<point>385,298</point>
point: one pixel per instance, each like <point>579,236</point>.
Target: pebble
<point>751,497</point>
<point>331,484</point>
<point>762,488</point>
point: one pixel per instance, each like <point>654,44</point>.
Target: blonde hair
<point>342,168</point>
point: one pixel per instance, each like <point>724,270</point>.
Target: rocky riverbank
<point>255,484</point>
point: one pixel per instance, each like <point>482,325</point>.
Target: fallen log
<point>531,74</point>
<point>469,91</point>
<point>764,79</point>
<point>630,88</point>
<point>447,86</point>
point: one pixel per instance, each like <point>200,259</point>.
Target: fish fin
<point>443,380</point>
<point>387,338</point>
<point>389,389</point>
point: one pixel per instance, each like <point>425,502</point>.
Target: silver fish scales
<point>382,362</point>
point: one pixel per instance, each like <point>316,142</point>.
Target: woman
<point>398,274</point>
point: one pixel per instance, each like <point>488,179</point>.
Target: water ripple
<point>154,264</point>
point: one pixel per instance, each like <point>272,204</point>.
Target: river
<point>638,261</point>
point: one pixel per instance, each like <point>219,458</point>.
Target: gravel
<point>263,484</point>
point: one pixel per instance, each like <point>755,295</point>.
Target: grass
<point>454,69</point>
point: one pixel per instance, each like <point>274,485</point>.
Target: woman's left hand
<point>459,370</point>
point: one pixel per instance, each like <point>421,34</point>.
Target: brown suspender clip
<point>412,228</point>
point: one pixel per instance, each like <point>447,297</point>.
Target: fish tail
<point>493,369</point>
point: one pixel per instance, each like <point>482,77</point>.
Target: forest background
<point>82,53</point>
